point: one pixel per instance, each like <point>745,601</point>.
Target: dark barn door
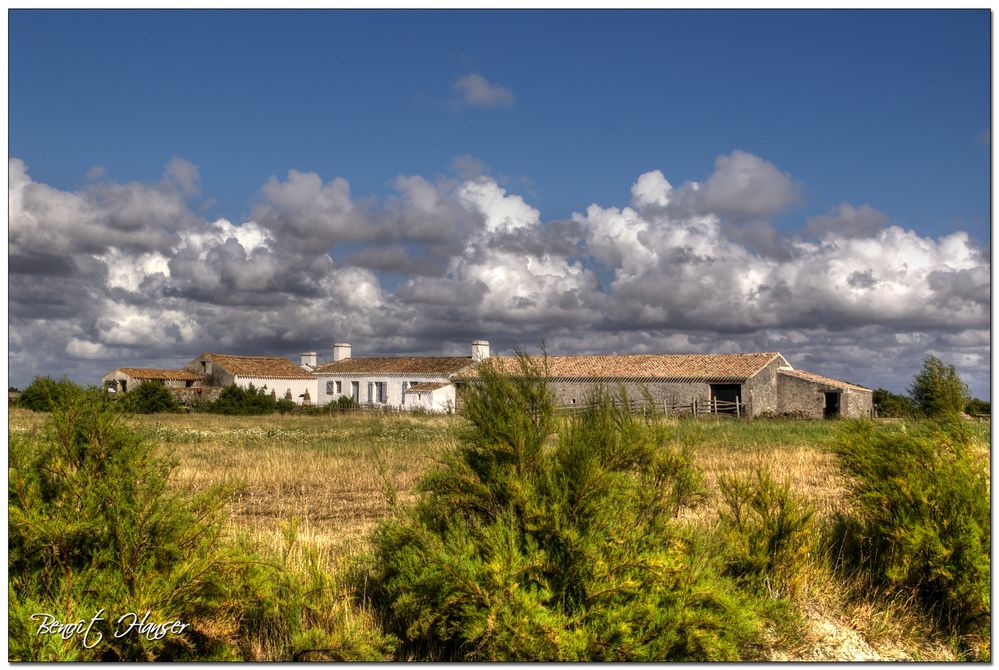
<point>831,410</point>
<point>726,395</point>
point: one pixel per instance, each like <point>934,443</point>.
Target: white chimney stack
<point>480,350</point>
<point>341,351</point>
<point>309,359</point>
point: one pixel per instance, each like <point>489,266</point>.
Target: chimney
<point>341,351</point>
<point>480,350</point>
<point>309,359</point>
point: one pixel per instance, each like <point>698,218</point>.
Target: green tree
<point>937,390</point>
<point>149,398</point>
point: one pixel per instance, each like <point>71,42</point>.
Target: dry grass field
<point>338,475</point>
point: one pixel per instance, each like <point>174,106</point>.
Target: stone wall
<point>857,404</point>
<point>760,391</point>
<point>211,374</point>
<point>795,395</point>
<point>668,393</point>
<point>196,395</point>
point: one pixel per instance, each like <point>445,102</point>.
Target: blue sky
<point>797,124</point>
<point>882,107</point>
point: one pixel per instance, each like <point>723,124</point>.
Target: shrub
<point>150,397</point>
<point>239,401</point>
<point>937,390</point>
<point>766,531</point>
<point>976,406</point>
<point>44,392</point>
<point>346,402</point>
<point>93,525</point>
<point>924,528</point>
<point>525,549</point>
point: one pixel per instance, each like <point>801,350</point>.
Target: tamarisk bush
<point>924,524</point>
<point>94,525</point>
<point>525,546</point>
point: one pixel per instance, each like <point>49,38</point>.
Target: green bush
<point>937,390</point>
<point>527,548</point>
<point>238,401</point>
<point>892,405</point>
<point>150,397</point>
<point>977,406</point>
<point>924,528</point>
<point>345,402</point>
<point>44,392</point>
<point>93,525</point>
<point>766,531</point>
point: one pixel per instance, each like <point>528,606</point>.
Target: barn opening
<point>831,410</point>
<point>726,395</point>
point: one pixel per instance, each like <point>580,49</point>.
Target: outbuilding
<point>277,375</point>
<point>750,384</point>
<point>122,380</point>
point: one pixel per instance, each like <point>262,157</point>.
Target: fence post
<point>737,412</point>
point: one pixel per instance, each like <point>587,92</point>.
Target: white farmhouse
<point>406,382</point>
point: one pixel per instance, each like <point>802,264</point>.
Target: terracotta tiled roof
<point>156,373</point>
<point>662,367</point>
<point>427,386</point>
<point>828,381</point>
<point>443,365</point>
<point>259,366</point>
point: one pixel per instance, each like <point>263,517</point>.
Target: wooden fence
<point>714,407</point>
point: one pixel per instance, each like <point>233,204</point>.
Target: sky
<point>266,182</point>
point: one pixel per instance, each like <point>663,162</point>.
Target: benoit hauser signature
<point>125,624</point>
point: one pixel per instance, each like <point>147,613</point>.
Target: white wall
<point>393,388</point>
<point>280,386</point>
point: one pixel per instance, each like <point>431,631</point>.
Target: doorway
<point>831,410</point>
<point>727,396</point>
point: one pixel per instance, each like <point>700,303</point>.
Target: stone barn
<point>122,380</point>
<point>751,384</point>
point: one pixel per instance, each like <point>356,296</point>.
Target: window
<point>371,391</point>
<point>405,385</point>
<point>355,391</point>
<point>338,388</point>
<point>329,388</point>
